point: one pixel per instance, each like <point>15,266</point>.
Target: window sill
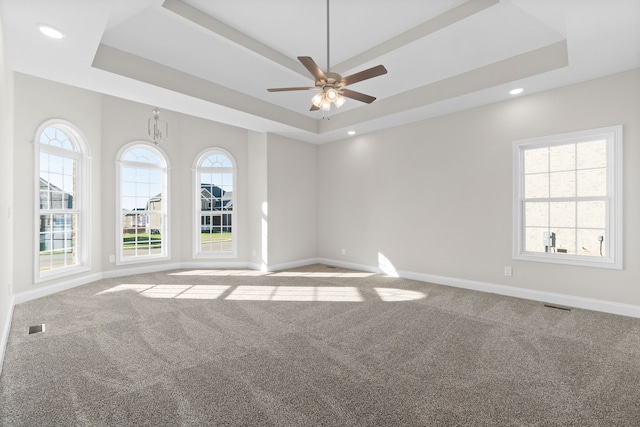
<point>142,260</point>
<point>60,273</point>
<point>573,260</point>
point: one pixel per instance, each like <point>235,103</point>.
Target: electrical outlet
<point>112,258</point>
<point>254,252</point>
<point>508,271</point>
<point>344,251</point>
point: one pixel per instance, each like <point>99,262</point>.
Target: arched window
<point>142,204</point>
<point>62,165</point>
<point>214,204</point>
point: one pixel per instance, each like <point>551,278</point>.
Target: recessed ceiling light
<point>351,132</point>
<point>516,91</point>
<point>50,31</point>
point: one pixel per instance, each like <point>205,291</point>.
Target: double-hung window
<point>62,185</point>
<point>214,174</point>
<point>142,204</point>
<point>568,198</point>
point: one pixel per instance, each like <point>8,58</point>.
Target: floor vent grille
<point>557,307</point>
<point>36,329</point>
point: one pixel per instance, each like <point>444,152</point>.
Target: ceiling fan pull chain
<point>328,43</point>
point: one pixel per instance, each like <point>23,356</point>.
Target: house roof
<point>215,58</point>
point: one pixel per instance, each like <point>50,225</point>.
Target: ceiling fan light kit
<point>331,85</point>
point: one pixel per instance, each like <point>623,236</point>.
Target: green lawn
<point>215,237</point>
<point>129,239</point>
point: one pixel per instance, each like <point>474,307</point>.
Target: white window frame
<point>82,156</point>
<point>165,213</point>
<point>613,258</point>
<point>197,232</point>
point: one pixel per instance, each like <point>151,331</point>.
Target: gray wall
<point>292,197</point>
<point>6,192</point>
<point>435,197</point>
<point>258,200</point>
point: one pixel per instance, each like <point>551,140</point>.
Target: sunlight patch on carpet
<point>396,295</point>
<point>263,293</point>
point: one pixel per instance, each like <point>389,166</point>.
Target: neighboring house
<point>52,226</point>
<point>220,203</point>
<point>54,197</point>
<point>212,199</point>
<point>135,220</point>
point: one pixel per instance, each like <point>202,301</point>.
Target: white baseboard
<point>4,339</point>
<point>530,294</point>
<point>293,264</point>
<point>47,290</point>
<point>141,269</point>
<point>351,265</point>
<point>204,265</point>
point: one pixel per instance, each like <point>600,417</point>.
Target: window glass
<point>60,213</point>
<point>215,207</point>
<point>143,204</point>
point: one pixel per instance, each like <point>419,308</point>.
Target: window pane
<point>563,184</point>
<point>68,184</point>
<point>592,182</point>
<point>128,174</point>
<point>57,138</point>
<point>592,154</point>
<point>44,162</point>
<point>589,244</point>
<point>216,160</point>
<point>55,164</point>
<point>565,240</point>
<point>44,200</point>
<point>562,157</point>
<point>562,214</point>
<point>536,186</point>
<point>592,214</point>
<point>142,175</point>
<point>537,214</point>
<point>154,204</point>
<point>142,190</point>
<point>155,176</point>
<point>533,239</point>
<point>142,155</point>
<point>536,160</point>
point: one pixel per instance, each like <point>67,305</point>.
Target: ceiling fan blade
<point>363,75</point>
<point>286,89</point>
<point>357,96</point>
<point>313,108</point>
<point>313,68</point>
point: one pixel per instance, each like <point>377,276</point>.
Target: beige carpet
<point>313,346</point>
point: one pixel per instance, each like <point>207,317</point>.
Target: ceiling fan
<point>331,86</point>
